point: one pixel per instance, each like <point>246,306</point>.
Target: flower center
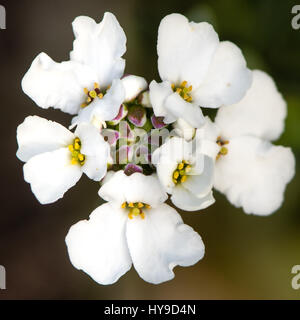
<point>93,94</point>
<point>77,157</point>
<point>183,90</point>
<point>180,174</point>
<point>223,150</point>
<point>135,209</point>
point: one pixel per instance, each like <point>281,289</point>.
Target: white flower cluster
<point>143,143</point>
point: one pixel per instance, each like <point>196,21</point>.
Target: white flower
<point>56,158</point>
<point>185,174</point>
<point>91,77</point>
<point>251,171</point>
<point>128,87</point>
<point>134,227</point>
<point>197,70</point>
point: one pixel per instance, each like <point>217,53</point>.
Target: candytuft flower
<point>56,158</point>
<point>250,171</point>
<point>92,76</point>
<point>196,70</point>
<point>185,174</point>
<point>134,227</point>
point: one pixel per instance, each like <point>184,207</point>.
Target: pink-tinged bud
<point>132,168</point>
<point>121,115</point>
<point>137,115</point>
<point>158,122</point>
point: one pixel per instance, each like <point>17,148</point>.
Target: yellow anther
<point>183,179</point>
<point>140,205</point>
<point>124,204</point>
<point>135,211</point>
<point>71,148</point>
<point>183,83</point>
<point>147,206</point>
<point>81,157</point>
<point>130,215</point>
<point>190,88</point>
<point>93,94</point>
<point>175,181</point>
<point>189,99</point>
<point>188,168</point>
<point>83,105</point>
<point>180,166</point>
<point>86,91</point>
<point>185,96</point>
<point>142,215</point>
<point>131,205</point>
<point>76,146</point>
<point>173,86</point>
<point>108,87</point>
<point>74,161</point>
<point>176,175</point>
<point>100,95</point>
<point>96,85</point>
<point>182,172</point>
<point>89,99</point>
<point>223,151</point>
<point>178,90</point>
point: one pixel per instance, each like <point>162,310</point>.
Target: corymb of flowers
<point>144,144</point>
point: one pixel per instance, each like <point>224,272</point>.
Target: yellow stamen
<point>147,206</point>
<point>96,85</point>
<point>183,179</point>
<point>182,172</point>
<point>175,181</point>
<point>142,215</point>
<point>86,91</point>
<point>140,205</point>
<point>130,215</point>
<point>124,204</point>
<point>224,151</point>
<point>81,157</point>
<point>74,161</point>
<point>183,83</point>
<point>180,166</point>
<point>173,86</point>
<point>93,94</point>
<point>135,211</point>
<point>100,95</point>
<point>76,146</point>
<point>131,205</point>
<point>83,105</point>
<point>190,88</point>
<point>176,175</point>
<point>71,148</point>
<point>178,90</point>
<point>89,99</point>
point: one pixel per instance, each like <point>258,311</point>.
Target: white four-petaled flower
<point>134,227</point>
<point>185,173</point>
<point>90,81</point>
<point>250,171</point>
<point>56,158</point>
<point>196,70</point>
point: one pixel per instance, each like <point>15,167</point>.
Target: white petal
<point>98,245</point>
<point>158,94</point>
<point>134,188</point>
<point>104,109</point>
<point>51,174</point>
<point>260,113</point>
<point>37,135</point>
<point>184,130</point>
<point>201,184</point>
<point>227,79</point>
<point>133,85</point>
<point>183,199</point>
<point>57,85</point>
<point>100,46</point>
<point>95,149</point>
<point>254,173</point>
<point>160,242</point>
<point>206,138</point>
<point>185,49</point>
<point>179,108</point>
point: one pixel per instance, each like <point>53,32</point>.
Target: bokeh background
<point>247,257</point>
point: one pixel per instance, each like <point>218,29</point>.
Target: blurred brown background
<point>247,257</point>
